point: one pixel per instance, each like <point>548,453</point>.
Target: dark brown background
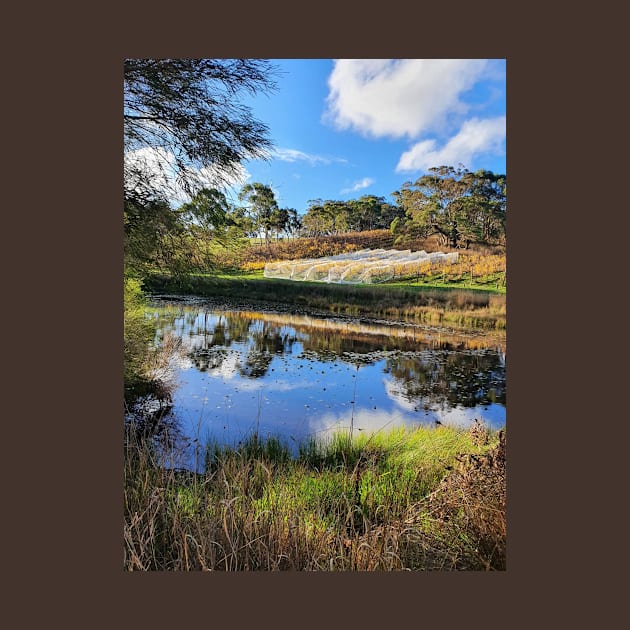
<point>63,234</point>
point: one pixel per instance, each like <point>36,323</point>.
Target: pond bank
<point>453,307</point>
<point>428,499</point>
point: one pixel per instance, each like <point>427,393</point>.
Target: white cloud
<point>360,185</point>
<point>475,137</point>
<point>293,155</point>
<point>400,97</point>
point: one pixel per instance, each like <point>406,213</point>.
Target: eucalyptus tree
<point>240,223</point>
<point>437,202</point>
<point>318,220</point>
<point>459,206</point>
<point>207,217</point>
<point>339,213</point>
<point>209,209</point>
<point>284,221</point>
<point>294,224</point>
<point>369,212</point>
<point>365,212</point>
<point>488,206</point>
<point>262,205</point>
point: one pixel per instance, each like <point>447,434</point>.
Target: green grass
<point>489,284</point>
<point>360,503</point>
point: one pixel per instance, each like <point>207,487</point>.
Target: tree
<point>241,224</point>
<point>208,209</point>
<point>318,219</point>
<point>262,206</point>
<point>440,195</point>
<point>365,212</point>
<point>154,237</point>
<point>284,221</point>
<point>488,205</point>
<point>294,224</point>
<point>395,226</point>
<point>207,218</point>
<point>183,124</point>
<point>459,206</point>
<point>186,112</point>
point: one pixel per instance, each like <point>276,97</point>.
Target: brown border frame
<point>68,497</point>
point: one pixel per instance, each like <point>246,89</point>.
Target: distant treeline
<point>456,207</point>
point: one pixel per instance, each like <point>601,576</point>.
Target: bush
<point>138,334</point>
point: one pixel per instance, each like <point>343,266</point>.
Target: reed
<point>387,501</point>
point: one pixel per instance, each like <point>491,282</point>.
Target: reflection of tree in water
<point>205,359</point>
<point>238,327</point>
<point>219,338</point>
<point>330,346</point>
<point>267,342</point>
<point>327,345</point>
<point>150,421</point>
<point>211,354</point>
<point>466,379</point>
<point>226,330</point>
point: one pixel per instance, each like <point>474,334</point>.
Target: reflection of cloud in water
<point>392,389</point>
<point>251,385</point>
<point>492,415</point>
<point>228,368</point>
<point>364,420</point>
<point>371,421</point>
<point>182,362</point>
<point>285,386</point>
<point>228,371</point>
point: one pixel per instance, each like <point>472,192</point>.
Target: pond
<point>241,370</point>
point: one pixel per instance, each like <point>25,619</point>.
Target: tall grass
<point>389,501</point>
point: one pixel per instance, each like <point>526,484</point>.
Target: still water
<point>241,371</point>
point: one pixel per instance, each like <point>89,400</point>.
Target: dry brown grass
<point>317,247</point>
<point>464,519</point>
<point>258,510</point>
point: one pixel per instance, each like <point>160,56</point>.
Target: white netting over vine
<point>367,266</point>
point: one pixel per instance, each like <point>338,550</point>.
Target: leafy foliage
<point>138,332</point>
<point>184,125</point>
<point>460,206</point>
<point>187,111</point>
<point>262,204</point>
<point>356,215</point>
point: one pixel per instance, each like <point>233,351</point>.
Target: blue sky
<point>345,128</point>
<point>350,127</point>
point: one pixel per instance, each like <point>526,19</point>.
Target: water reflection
<point>295,375</point>
<point>456,378</point>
